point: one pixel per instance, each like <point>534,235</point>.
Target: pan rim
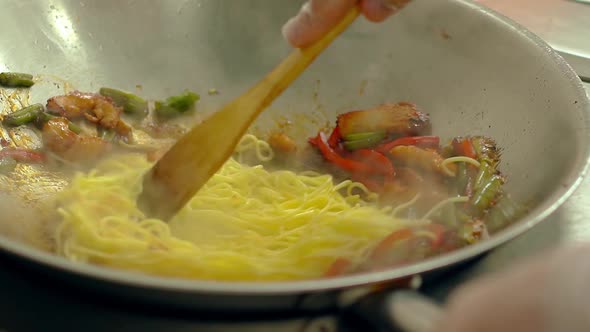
<point>189,286</point>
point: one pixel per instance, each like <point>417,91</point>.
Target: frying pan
<point>472,70</point>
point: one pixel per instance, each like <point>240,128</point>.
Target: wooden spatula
<point>199,154</point>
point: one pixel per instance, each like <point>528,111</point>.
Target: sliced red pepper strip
<point>338,267</point>
<point>378,161</point>
<point>332,156</point>
<point>388,242</point>
<point>422,141</point>
<point>464,147</point>
<point>371,184</point>
<point>335,138</point>
<point>23,155</point>
<point>439,232</point>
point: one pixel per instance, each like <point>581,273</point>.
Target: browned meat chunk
<point>59,139</point>
<point>401,118</point>
<point>95,108</point>
<point>282,143</point>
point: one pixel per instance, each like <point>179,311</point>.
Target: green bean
<point>449,215</point>
<point>176,105</point>
<point>44,117</point>
<point>132,104</point>
<point>485,173</point>
<point>502,213</point>
<point>7,165</point>
<point>462,178</point>
<point>16,80</point>
<point>106,134</point>
<point>362,140</point>
<point>23,116</point>
<point>485,194</point>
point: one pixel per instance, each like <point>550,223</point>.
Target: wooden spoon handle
<point>199,154</point>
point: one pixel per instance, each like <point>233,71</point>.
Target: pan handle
<point>412,311</point>
<point>403,310</point>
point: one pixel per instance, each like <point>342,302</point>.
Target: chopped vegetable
<point>131,104</point>
<point>421,141</point>
<point>22,155</point>
<point>16,80</point>
<point>502,213</point>
<point>176,105</point>
<point>464,147</point>
<point>402,119</point>
<point>7,165</point>
<point>362,140</point>
<point>107,134</point>
<point>340,266</point>
<point>23,116</point>
<point>484,196</point>
<point>332,156</point>
<point>386,245</point>
<point>378,162</point>
<point>212,92</point>
<point>335,138</point>
<point>44,117</point>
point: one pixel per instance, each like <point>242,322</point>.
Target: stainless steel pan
<point>473,70</point>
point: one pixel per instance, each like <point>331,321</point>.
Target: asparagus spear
<point>132,104</point>
<point>24,115</point>
<point>176,105</point>
<point>16,80</point>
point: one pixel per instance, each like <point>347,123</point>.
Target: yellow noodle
<point>458,159</point>
<point>246,223</point>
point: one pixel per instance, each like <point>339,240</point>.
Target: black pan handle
<point>403,310</point>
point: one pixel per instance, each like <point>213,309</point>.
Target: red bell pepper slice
<point>464,147</point>
<point>371,184</point>
<point>379,162</point>
<point>422,141</point>
<point>338,267</point>
<point>439,233</point>
<point>23,155</point>
<point>335,138</point>
<point>388,242</point>
<point>332,156</point>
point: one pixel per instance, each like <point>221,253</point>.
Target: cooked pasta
<point>246,223</point>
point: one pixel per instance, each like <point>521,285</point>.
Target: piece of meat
<point>424,159</point>
<point>95,108</point>
<point>58,138</point>
<point>73,105</point>
<point>397,119</point>
<point>282,143</point>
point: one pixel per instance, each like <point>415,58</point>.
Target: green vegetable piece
<point>106,134</point>
<point>16,80</point>
<point>213,92</point>
<point>132,104</point>
<point>362,140</point>
<point>23,116</point>
<point>505,211</point>
<point>7,165</point>
<point>176,105</point>
<point>462,178</point>
<point>484,195</point>
<point>44,117</point>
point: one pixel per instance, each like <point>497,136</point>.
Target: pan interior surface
<point>473,71</point>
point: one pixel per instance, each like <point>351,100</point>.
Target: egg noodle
<point>246,223</point>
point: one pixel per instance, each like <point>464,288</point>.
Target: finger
<point>315,18</point>
<point>379,10</point>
